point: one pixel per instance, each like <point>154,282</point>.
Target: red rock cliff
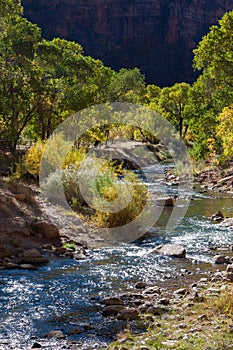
<point>157,36</point>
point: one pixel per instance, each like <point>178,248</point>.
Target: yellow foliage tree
<point>225,131</point>
<point>33,158</point>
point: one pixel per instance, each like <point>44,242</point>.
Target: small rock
<point>112,310</point>
<point>11,266</point>
<point>140,285</point>
<point>79,255</point>
<point>230,268</point>
<point>182,325</point>
<point>128,314</point>
<point>203,280</point>
<point>196,297</point>
<point>203,317</point>
<point>155,310</point>
<point>176,250</point>
<point>36,346</point>
<point>27,267</point>
<point>56,334</point>
<point>144,307</point>
<point>229,276</point>
<point>112,301</point>
<point>181,291</point>
<point>20,197</point>
<point>221,259</point>
<point>217,216</point>
<point>33,256</point>
<point>164,301</point>
<point>214,290</point>
<point>152,290</point>
<point>170,343</point>
<point>60,250</point>
<point>75,330</point>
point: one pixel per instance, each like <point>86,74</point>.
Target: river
<point>67,292</point>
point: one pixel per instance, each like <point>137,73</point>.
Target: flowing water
<point>66,292</point>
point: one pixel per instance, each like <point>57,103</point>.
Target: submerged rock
<point>176,250</point>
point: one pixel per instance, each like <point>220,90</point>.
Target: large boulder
<point>47,229</point>
<point>176,250</point>
<point>33,256</point>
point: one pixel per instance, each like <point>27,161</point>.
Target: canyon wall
<point>157,36</point>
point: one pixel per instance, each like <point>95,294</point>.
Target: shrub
<point>53,156</point>
<point>33,158</point>
<point>119,192</point>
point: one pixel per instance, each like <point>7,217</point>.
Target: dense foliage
<point>43,82</point>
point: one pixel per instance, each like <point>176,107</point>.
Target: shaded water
<point>66,292</point>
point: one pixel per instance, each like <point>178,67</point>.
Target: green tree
<point>19,74</point>
<point>127,85</point>
<point>213,90</point>
<point>214,55</point>
<point>172,103</point>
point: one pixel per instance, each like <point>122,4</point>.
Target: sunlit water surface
<point>66,292</point>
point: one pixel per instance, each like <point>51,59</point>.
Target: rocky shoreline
<point>216,179</point>
<point>28,240</point>
<point>185,318</point>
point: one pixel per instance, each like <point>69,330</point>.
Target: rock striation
<point>157,36</point>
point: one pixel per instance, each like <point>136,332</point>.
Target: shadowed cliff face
<point>157,36</point>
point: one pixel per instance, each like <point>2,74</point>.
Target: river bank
<point>121,269</point>
<point>216,179</point>
<point>195,316</point>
